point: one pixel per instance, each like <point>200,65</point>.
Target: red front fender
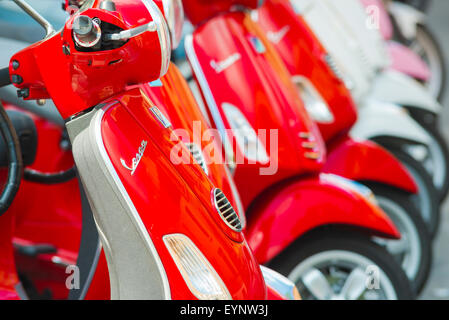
<point>367,161</point>
<point>290,210</point>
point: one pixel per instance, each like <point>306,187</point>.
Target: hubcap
<point>341,275</point>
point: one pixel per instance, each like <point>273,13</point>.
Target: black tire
<point>423,260</point>
<point>424,34</point>
<point>333,239</point>
<point>427,192</point>
<point>432,130</point>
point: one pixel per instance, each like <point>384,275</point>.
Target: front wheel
<point>413,251</point>
<point>331,265</point>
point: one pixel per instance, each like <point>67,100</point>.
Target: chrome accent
<point>131,33</point>
<point>163,34</point>
<point>282,285</point>
<point>208,96</point>
<point>305,135</point>
<point>226,211</point>
<point>49,30</point>
<point>136,159</point>
<point>220,66</point>
<point>312,155</point>
<point>197,154</point>
<point>125,196</point>
<point>309,145</point>
<point>160,117</point>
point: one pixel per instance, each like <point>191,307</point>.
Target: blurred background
<point>438,284</point>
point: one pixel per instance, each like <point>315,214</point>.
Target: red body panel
<point>303,55</point>
<point>87,78</point>
<point>283,207</point>
<point>315,202</point>
<point>200,10</point>
<point>8,274</point>
<point>255,81</point>
<point>190,214</point>
<point>367,161</point>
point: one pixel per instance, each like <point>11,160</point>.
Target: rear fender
<point>381,119</point>
<point>367,161</point>
<point>289,211</point>
<point>406,61</point>
<point>394,87</point>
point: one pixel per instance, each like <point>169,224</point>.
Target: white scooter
<point>394,109</point>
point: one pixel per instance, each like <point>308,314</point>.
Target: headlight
<point>351,185</point>
<point>313,101</point>
<point>174,14</point>
<point>201,278</point>
<point>247,139</point>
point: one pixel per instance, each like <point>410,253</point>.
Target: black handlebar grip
<point>4,77</point>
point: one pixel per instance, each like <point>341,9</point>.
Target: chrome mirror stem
<point>36,16</point>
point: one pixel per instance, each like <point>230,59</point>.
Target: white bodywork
<point>343,27</point>
<point>407,18</point>
<point>377,119</point>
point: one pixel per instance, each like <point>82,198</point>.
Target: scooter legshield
<point>138,201</point>
<point>363,160</point>
<point>288,211</point>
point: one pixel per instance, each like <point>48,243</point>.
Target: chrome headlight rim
<point>174,15</point>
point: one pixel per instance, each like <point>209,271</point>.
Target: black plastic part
<point>34,250</point>
<point>15,164</point>
<point>4,77</point>
<point>49,178</point>
<point>27,135</point>
<point>89,251</point>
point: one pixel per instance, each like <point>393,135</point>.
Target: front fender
<point>407,18</point>
<point>392,86</point>
<point>289,211</point>
<point>381,119</point>
<point>366,161</point>
<point>406,61</point>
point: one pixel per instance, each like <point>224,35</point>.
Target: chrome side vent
<point>333,65</point>
<point>226,211</point>
<point>197,154</point>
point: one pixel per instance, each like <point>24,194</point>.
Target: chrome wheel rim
<point>407,250</point>
<point>340,275</point>
<point>424,47</point>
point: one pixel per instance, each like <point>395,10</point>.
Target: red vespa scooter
<point>330,104</point>
<point>314,228</point>
<point>148,255</point>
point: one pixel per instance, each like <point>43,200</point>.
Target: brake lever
<point>131,33</point>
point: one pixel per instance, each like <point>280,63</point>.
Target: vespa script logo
<point>136,159</point>
<point>223,65</point>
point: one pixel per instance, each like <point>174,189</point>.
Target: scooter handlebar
<point>4,77</point>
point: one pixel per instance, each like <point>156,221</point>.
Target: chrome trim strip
<point>207,92</point>
<point>138,221</point>
<point>163,34</point>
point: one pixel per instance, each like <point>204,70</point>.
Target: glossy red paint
<point>8,274</point>
<point>191,214</point>
<point>315,202</point>
<point>253,82</point>
<point>169,198</point>
<point>94,78</point>
<point>199,11</point>
<point>304,56</point>
<point>367,162</point>
<point>284,206</point>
